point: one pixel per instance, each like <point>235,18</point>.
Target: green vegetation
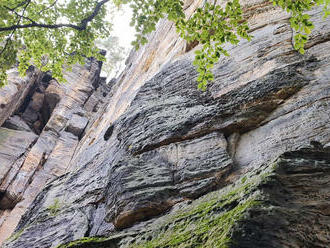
<point>208,222</point>
<point>50,34</point>
<point>213,26</point>
<point>15,235</point>
<point>55,207</point>
<point>84,241</point>
<point>300,21</point>
<point>115,55</point>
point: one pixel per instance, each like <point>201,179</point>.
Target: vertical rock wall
<point>43,122</point>
<point>141,172</point>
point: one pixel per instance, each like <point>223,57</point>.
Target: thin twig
<point>19,15</point>
<point>50,6</point>
<point>19,5</point>
<point>13,31</point>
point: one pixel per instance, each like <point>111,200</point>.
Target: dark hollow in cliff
<point>108,133</point>
<point>7,201</point>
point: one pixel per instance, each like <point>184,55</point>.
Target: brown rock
<point>14,93</point>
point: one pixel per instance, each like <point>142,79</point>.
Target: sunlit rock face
<point>161,164</point>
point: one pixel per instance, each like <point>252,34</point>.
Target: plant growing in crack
<point>55,207</point>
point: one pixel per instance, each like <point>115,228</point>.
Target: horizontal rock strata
<point>140,171</point>
<point>282,204</point>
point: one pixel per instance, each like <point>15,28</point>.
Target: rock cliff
<point>42,123</point>
<point>154,162</point>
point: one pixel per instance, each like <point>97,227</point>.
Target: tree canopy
<point>50,34</point>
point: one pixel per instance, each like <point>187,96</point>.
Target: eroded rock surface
<point>281,204</point>
<point>14,93</point>
<point>38,140</point>
<point>140,169</point>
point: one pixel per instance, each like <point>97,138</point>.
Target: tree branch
<point>81,26</point>
<point>19,15</point>
<point>18,22</point>
<point>50,6</point>
<point>19,5</point>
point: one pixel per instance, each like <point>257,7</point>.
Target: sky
<point>125,34</point>
<point>121,27</point>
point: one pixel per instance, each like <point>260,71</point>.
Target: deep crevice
<point>7,201</point>
<point>38,105</point>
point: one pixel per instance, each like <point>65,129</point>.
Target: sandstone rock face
<point>13,94</point>
<point>161,164</point>
<point>38,140</point>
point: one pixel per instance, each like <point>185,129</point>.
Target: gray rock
<point>76,125</point>
<point>16,123</point>
<point>14,146</point>
<point>149,157</point>
<point>28,162</point>
<point>14,93</point>
<point>268,207</point>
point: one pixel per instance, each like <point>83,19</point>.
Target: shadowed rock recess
<point>153,162</point>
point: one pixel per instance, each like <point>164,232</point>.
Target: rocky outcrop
<point>164,165</point>
<point>46,121</point>
<point>15,92</point>
<point>282,204</point>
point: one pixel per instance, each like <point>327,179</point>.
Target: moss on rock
<point>207,222</point>
<point>87,242</point>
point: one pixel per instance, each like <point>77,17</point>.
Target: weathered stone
<point>13,94</point>
<point>14,146</point>
<point>50,109</point>
<point>154,146</point>
<point>16,123</point>
<point>295,205</point>
<point>99,97</point>
<point>268,207</point>
<point>76,125</point>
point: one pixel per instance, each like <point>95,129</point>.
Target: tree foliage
<point>213,26</point>
<point>52,33</point>
<point>49,33</point>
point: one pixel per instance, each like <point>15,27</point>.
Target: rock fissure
<point>153,162</point>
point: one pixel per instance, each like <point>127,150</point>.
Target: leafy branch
<point>30,34</point>
<point>37,39</point>
<point>81,26</point>
<point>212,27</point>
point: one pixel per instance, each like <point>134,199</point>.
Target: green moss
<point>15,236</point>
<point>209,223</point>
<point>84,242</point>
<point>55,208</point>
<point>208,231</point>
